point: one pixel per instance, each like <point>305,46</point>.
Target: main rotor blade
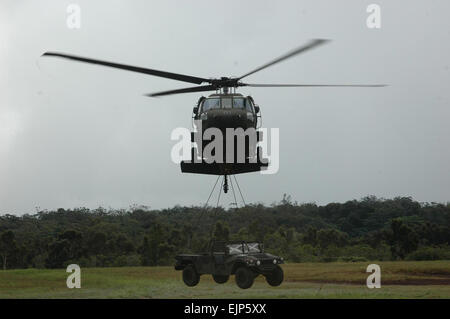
<point>164,74</point>
<point>185,90</point>
<point>313,85</point>
<point>303,48</point>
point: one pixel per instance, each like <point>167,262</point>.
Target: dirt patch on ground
<point>418,282</point>
<point>403,282</point>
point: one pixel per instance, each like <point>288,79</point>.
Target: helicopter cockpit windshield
<point>227,103</point>
<point>211,103</point>
<point>242,103</point>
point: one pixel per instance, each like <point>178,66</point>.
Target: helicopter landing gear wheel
<point>194,154</point>
<point>225,184</point>
<point>259,156</point>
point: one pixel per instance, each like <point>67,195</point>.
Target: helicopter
<point>225,109</point>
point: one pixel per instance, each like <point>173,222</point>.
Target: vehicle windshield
<point>242,103</point>
<point>254,248</point>
<point>244,248</point>
<point>227,103</point>
<point>212,103</point>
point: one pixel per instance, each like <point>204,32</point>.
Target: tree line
<point>358,230</point>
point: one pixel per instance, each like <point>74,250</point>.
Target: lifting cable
<point>234,194</point>
<point>213,224</point>
<point>205,207</point>
<point>243,200</point>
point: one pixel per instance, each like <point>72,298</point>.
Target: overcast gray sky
<point>75,135</point>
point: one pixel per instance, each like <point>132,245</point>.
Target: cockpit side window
<point>211,103</point>
<point>248,105</point>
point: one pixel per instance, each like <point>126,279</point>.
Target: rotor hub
<point>225,82</point>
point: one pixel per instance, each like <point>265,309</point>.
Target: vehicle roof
<point>239,242</point>
<point>225,95</point>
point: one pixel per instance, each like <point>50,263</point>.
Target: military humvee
<point>244,260</point>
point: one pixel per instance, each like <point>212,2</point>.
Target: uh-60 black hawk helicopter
<point>222,110</point>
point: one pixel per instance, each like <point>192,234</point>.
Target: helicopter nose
<point>226,118</point>
<point>229,120</point>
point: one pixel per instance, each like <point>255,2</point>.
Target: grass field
<point>430,279</point>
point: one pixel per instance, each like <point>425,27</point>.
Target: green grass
<point>430,279</point>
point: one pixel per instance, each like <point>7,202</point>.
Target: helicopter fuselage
<point>227,113</point>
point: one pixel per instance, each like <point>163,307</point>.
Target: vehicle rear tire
<point>275,278</point>
<point>244,277</point>
<point>190,276</point>
<point>220,279</point>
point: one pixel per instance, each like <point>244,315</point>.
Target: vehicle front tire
<point>190,276</point>
<point>276,277</point>
<point>220,279</point>
<point>244,277</point>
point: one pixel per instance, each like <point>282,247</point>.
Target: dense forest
<point>357,230</point>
